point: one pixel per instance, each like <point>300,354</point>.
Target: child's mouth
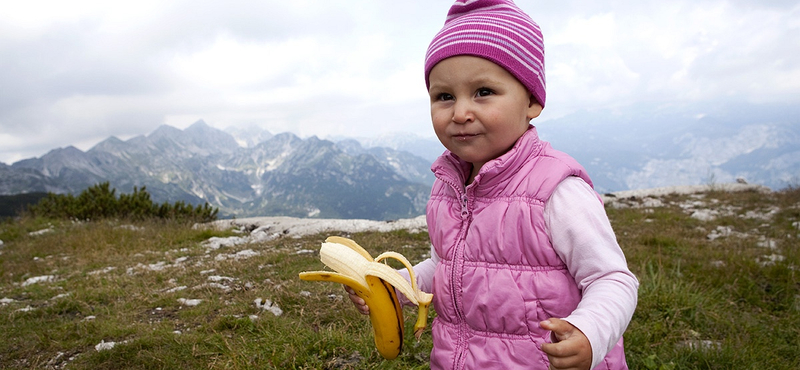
<point>464,137</point>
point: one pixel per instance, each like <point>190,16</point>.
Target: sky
<point>76,72</point>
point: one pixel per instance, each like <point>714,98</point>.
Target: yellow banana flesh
<point>375,283</point>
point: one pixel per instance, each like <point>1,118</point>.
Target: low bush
<point>101,202</point>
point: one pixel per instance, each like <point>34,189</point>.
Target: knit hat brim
<point>498,31</point>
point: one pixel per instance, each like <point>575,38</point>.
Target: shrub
<point>100,202</point>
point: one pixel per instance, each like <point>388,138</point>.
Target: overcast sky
<point>77,72</point>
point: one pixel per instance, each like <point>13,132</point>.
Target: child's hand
<point>361,306</point>
<point>572,351</point>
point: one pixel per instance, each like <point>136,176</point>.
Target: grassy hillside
<point>718,271</point>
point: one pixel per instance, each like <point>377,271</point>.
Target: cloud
<point>672,51</point>
<point>80,71</point>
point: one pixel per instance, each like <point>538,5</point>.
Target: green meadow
<point>718,273</point>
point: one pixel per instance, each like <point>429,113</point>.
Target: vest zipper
<point>458,257</point>
<point>457,271</point>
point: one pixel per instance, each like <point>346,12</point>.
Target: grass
<point>714,304</point>
<point>721,303</point>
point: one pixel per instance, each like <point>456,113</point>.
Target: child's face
<point>478,109</point>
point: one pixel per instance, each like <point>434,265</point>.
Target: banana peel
<point>375,283</point>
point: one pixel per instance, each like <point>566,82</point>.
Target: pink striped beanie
<point>496,30</point>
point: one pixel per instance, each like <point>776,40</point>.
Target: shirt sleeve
<point>582,236</point>
<point>424,272</point>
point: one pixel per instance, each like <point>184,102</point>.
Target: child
<point>525,269</point>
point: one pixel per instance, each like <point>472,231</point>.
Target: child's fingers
<point>359,302</point>
<point>567,355</point>
<point>560,328</point>
<point>570,348</point>
<point>559,350</point>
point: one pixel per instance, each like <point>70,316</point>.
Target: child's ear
<point>534,108</point>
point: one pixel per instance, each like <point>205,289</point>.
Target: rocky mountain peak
<point>284,175</point>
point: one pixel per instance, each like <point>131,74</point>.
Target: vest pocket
<point>535,314</point>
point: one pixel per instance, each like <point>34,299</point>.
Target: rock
<point>267,305</point>
<point>189,302</point>
<point>39,279</point>
<point>704,214</point>
<point>104,346</point>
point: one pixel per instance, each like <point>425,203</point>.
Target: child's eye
<point>484,92</point>
<point>444,96</point>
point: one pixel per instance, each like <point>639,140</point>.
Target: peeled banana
<point>375,283</point>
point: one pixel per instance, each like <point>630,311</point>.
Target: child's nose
<point>462,111</point>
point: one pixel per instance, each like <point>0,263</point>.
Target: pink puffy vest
<point>499,276</point>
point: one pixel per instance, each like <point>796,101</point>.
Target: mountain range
<point>643,147</point>
<point>278,175</point>
<point>251,172</point>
